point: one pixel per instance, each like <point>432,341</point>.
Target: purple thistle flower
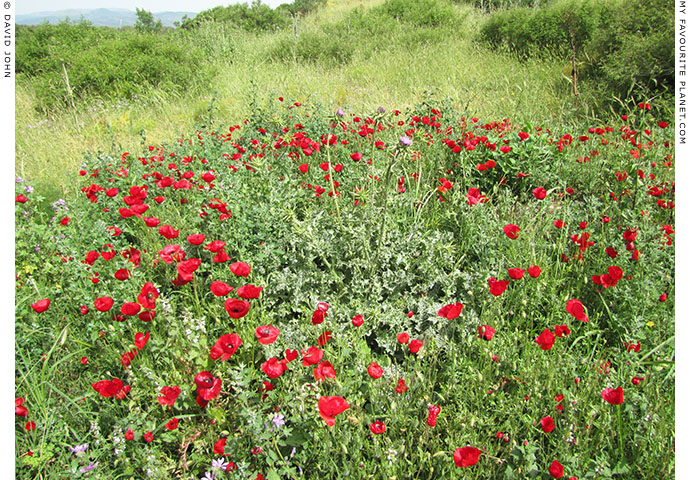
<point>89,467</point>
<point>405,141</point>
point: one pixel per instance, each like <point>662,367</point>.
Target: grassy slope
<point>488,84</point>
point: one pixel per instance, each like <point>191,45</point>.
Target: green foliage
<point>314,48</point>
<point>550,31</point>
<point>635,50</point>
<point>619,46</point>
<point>300,7</point>
<point>103,62</point>
<point>257,18</point>
<point>423,13</point>
<point>145,22</point>
<point>492,5</point>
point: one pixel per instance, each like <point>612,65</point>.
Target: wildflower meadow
<point>313,290</point>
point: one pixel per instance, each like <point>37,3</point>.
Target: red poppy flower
<point>324,338</point>
<point>512,231</point>
<point>377,428</point>
<point>329,407</point>
<point>122,274</point>
<point>130,308</point>
<point>474,197</point>
<point>516,273</point>
<point>324,370</point>
<point>358,320</point>
<point>663,297</point>
<point>140,340</point>
<point>561,330</point>
<point>637,380</point>
<point>497,287</point>
<point>30,426</point>
<point>196,239</point>
<point>148,296</point>
<point>219,446</point>
<point>147,316</point>
<point>185,271</point>
<point>240,269</point>
<point>151,221</point>
<point>547,424</point>
<point>41,306</point>
<point>312,356</point>
<point>539,193</point>
<point>221,257</point>
<point>291,355</point>
<point>225,347</point>
<point>127,357</point>
<point>249,292</point>
<point>207,386</point>
<point>111,388</point>
<point>611,252</point>
<point>168,232</point>
<point>486,332</point>
<point>577,310</point>
<point>103,304</point>
<point>304,167</point>
<point>534,271</point>
<point>403,337</point>
<point>614,396</point>
<point>220,289</point>
<point>466,456</point>
<point>172,424</point>
<point>434,410</point>
<point>129,434</point>
<point>401,388</point>
<point>215,246</point>
<point>375,370</point>
<point>451,311</point>
<point>266,334</point>
<point>546,339</point>
<point>556,469</point>
<point>273,367</point>
<point>170,394</point>
<point>317,317</point>
<point>558,223</point>
<point>236,308</point>
<point>20,410</point>
<point>20,198</point>
<point>415,345</point>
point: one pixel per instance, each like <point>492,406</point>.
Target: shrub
<point>313,47</point>
<point>418,12</point>
<point>103,62</point>
<point>255,18</point>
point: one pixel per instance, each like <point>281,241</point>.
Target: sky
<point>32,6</point>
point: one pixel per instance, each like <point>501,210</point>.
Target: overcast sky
<point>31,6</point>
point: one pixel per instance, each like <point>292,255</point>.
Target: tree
<point>145,23</point>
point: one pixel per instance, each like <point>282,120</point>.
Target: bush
<point>618,46</point>
<point>103,62</point>
<point>427,13</point>
<point>636,49</point>
<point>255,18</point>
<point>313,47</point>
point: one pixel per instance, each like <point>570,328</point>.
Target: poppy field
<point>312,292</point>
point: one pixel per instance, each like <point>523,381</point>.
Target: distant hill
<point>101,17</point>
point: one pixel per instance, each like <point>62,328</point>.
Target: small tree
<point>145,22</point>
